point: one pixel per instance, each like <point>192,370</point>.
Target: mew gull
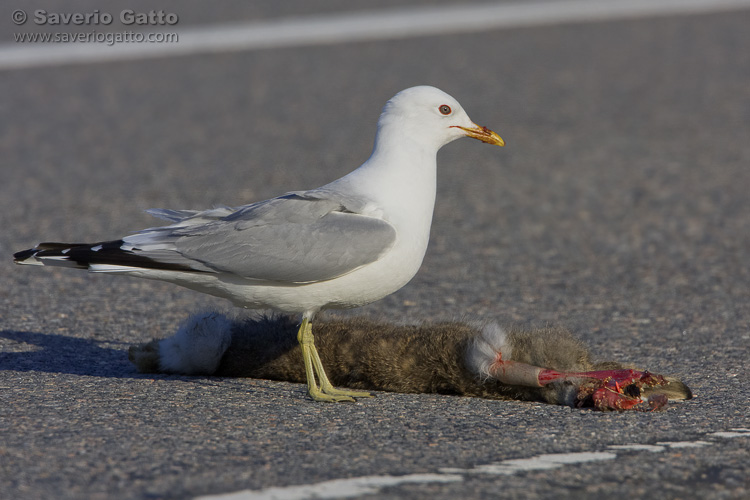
<point>342,245</point>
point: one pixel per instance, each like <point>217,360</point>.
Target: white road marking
<point>686,444</point>
<point>357,486</point>
<point>732,434</point>
<point>638,447</point>
<point>337,488</point>
<point>356,27</point>
<point>539,462</point>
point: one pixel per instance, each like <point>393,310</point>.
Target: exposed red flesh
<point>618,390</point>
<point>622,377</point>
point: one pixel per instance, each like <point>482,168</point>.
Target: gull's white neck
<point>399,178</point>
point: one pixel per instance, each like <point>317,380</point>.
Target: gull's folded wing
<point>293,238</point>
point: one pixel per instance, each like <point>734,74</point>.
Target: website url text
<point>97,37</point>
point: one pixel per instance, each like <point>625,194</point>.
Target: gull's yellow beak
<point>483,134</point>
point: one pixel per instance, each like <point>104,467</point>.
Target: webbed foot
<point>314,368</point>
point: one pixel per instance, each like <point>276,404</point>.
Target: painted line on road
<point>540,462</point>
<point>356,27</point>
<point>357,486</point>
<point>337,488</point>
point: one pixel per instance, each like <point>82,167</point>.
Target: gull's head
<point>430,117</point>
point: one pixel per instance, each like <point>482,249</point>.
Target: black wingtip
<point>23,255</point>
<point>83,255</point>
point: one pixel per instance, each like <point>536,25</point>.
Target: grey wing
<point>288,239</point>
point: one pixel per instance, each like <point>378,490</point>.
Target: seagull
<point>345,244</point>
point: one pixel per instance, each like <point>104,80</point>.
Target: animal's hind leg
<point>604,389</point>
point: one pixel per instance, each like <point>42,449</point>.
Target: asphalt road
<point>619,208</point>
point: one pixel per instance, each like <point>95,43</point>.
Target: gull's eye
<point>445,109</point>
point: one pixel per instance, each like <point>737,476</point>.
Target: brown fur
<point>429,358</point>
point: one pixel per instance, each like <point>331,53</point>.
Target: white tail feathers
<point>111,268</point>
<point>484,349</point>
<point>198,345</point>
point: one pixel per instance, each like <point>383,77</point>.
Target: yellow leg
<point>313,367</point>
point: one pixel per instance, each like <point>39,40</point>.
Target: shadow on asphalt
<point>60,354</point>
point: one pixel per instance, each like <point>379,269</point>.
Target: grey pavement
<point>619,208</point>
